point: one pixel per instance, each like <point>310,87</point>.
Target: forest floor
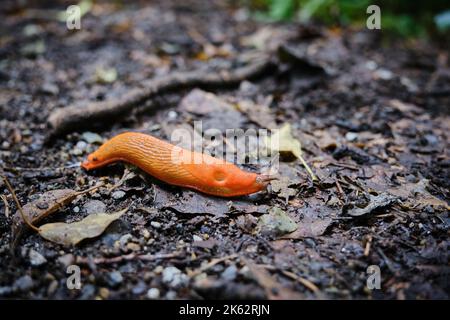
<point>371,115</point>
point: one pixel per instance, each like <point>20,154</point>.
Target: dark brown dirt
<point>372,116</point>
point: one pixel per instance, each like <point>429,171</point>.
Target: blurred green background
<point>400,18</point>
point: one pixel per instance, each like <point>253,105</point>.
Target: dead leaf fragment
<point>283,142</point>
<point>281,187</point>
<point>310,228</point>
<point>376,202</point>
<point>48,203</point>
<point>276,223</point>
<point>72,233</point>
<point>417,194</point>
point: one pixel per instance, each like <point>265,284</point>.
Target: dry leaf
<point>281,187</point>
<point>310,228</point>
<point>417,193</point>
<point>376,202</point>
<point>72,233</point>
<point>276,223</point>
<point>47,204</point>
<point>283,142</point>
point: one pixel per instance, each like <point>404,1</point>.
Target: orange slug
<point>175,165</point>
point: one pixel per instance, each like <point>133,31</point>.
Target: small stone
<point>196,238</point>
<point>171,295</point>
<point>155,224</point>
<point>52,287</point>
<point>146,234</point>
<point>66,260</point>
<point>230,273</point>
<point>383,74</point>
<point>76,209</point>
<point>276,223</point>
<point>114,278</point>
<point>371,65</point>
<point>139,288</point>
<point>4,291</point>
<point>172,115</point>
<point>133,246</point>
<point>50,88</point>
<point>24,283</point>
<point>81,145</point>
<point>36,259</point>
<point>94,206</point>
<point>87,292</point>
<point>153,293</point>
<point>103,293</point>
<point>119,194</point>
<point>125,239</point>
<point>351,136</point>
<point>158,270</point>
<point>173,277</point>
<point>91,137</point>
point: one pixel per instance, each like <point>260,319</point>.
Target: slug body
<point>177,166</point>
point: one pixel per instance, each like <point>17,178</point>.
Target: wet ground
<point>371,114</point>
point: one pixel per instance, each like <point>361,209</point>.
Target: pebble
<point>384,74</point>
<point>24,283</point>
<point>91,137</point>
<point>351,136</point>
<point>66,260</point>
<point>52,287</point>
<point>153,293</point>
<point>172,115</point>
<point>139,288</point>
<point>133,246</point>
<point>114,278</point>
<point>230,273</point>
<point>36,259</point>
<point>76,209</point>
<point>87,292</point>
<point>196,238</point>
<point>173,277</point>
<point>155,224</point>
<point>146,234</point>
<point>103,293</point>
<point>125,239</point>
<point>119,194</point>
<point>94,206</point>
<point>171,295</point>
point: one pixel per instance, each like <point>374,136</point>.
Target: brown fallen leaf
<point>418,195</point>
<point>257,113</point>
<point>376,202</point>
<point>47,204</point>
<point>281,187</point>
<point>73,233</point>
<point>309,228</point>
<point>273,289</point>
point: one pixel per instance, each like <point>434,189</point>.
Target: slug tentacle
<point>176,166</point>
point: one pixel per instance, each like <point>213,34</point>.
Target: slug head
<point>98,159</point>
<point>233,181</point>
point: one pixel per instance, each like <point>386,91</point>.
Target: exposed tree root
<point>74,118</point>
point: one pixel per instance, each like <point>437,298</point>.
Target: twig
<point>74,118</point>
<point>308,169</point>
<point>19,206</point>
<point>128,257</point>
<point>211,264</point>
<point>5,202</point>
<point>368,245</point>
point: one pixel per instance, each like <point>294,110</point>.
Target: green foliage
<point>402,17</point>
